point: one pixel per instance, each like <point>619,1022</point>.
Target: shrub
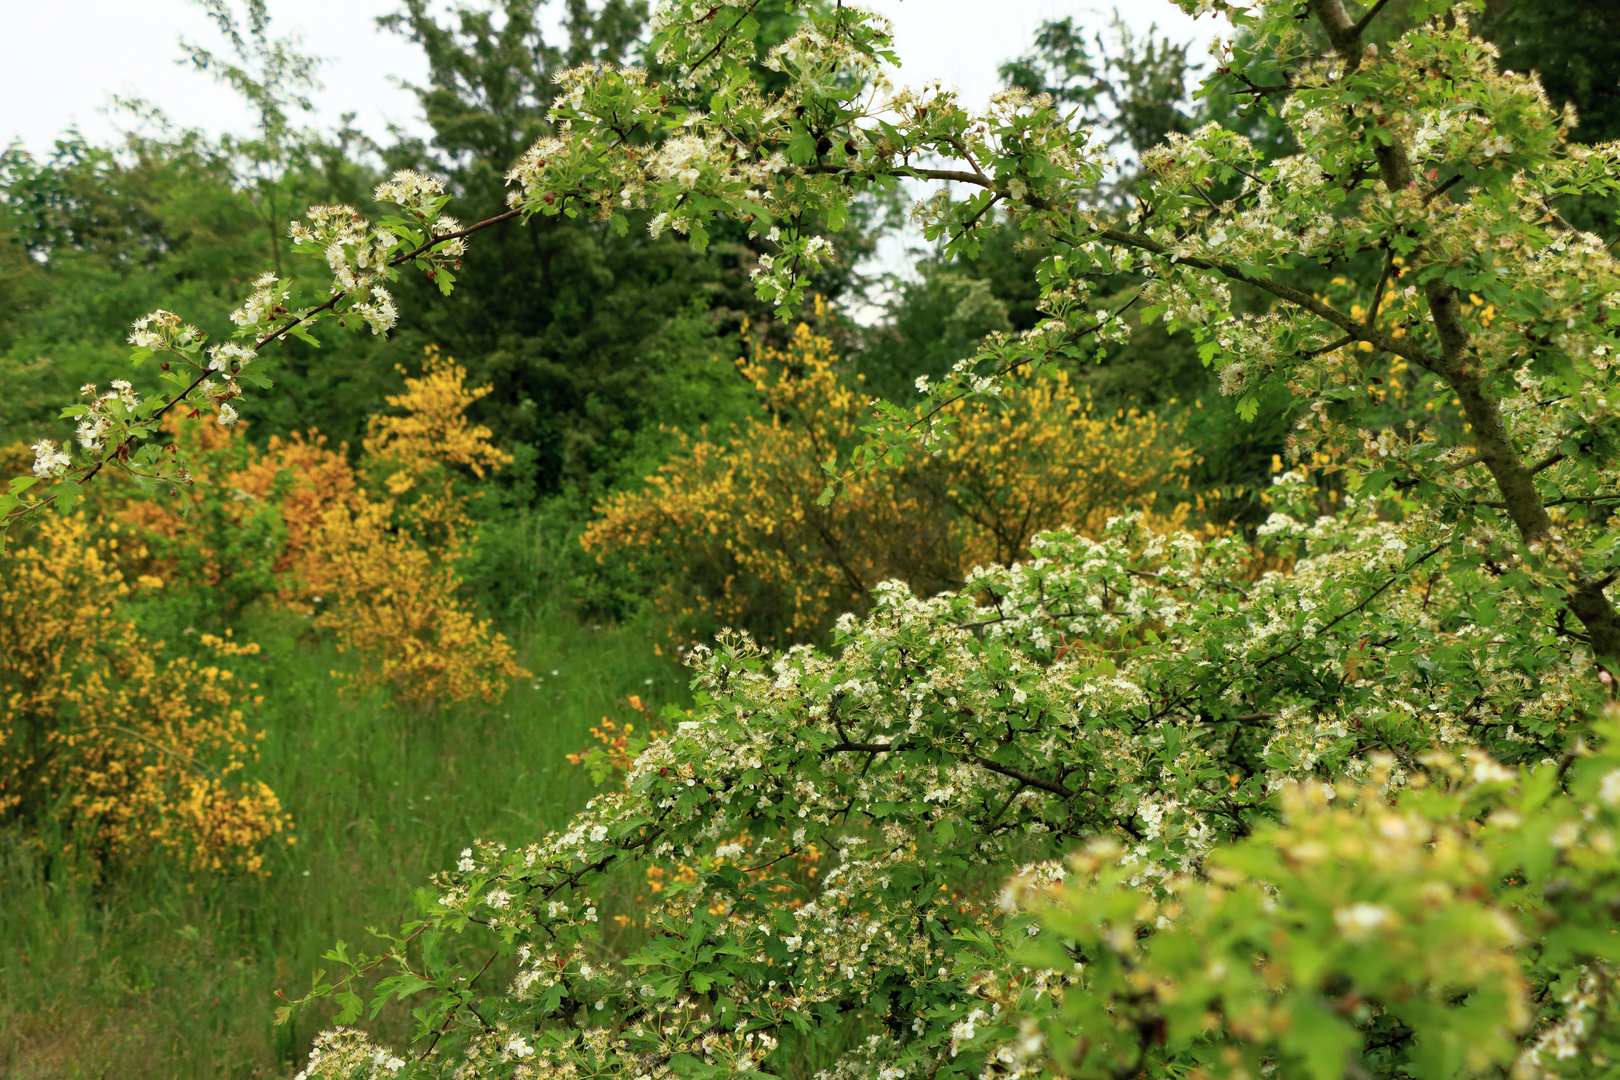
<point>126,750</point>
<point>368,551</point>
<point>1457,930</point>
<point>732,534</point>
<point>1143,697</point>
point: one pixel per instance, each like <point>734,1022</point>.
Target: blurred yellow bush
<point>732,532</point>
<point>126,750</point>
<point>129,750</point>
<point>369,551</point>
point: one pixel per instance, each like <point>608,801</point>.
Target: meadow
<point>163,973</point>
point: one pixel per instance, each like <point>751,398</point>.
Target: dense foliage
<point>733,535</point>
<point>1332,796</point>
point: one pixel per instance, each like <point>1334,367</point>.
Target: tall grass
<point>160,973</point>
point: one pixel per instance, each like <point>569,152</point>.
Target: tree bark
<point>1514,479</point>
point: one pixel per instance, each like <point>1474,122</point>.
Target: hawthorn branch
<point>1366,19</point>
<point>1016,364</point>
<point>1459,366</point>
<point>1026,778</point>
<point>956,176</point>
<point>720,44</point>
<point>278,333</point>
<point>1357,330</point>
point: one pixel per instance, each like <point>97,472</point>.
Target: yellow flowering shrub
<point>368,551</point>
<point>733,532</point>
<point>128,750</point>
<point>379,569</point>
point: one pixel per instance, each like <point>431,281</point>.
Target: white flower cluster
<point>1566,1039</point>
<point>161,330</point>
<point>230,357</point>
<point>346,1054</point>
<point>50,462</point>
<point>412,190</point>
<point>264,303</point>
<point>358,257</point>
<point>105,411</point>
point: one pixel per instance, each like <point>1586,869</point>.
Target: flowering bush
<point>1138,690</point>
<point>1455,931</point>
<point>734,535</point>
<point>368,552</point>
<point>126,750</point>
<point>121,429</point>
<point>614,756</point>
<point>379,569</point>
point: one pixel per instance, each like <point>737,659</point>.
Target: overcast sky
<point>69,56</point>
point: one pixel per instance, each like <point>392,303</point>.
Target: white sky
<point>69,56</point>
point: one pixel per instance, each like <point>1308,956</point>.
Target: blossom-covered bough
<point>1150,700</point>
<point>121,429</point>
<point>1344,798</point>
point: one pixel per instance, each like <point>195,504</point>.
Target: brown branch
<point>718,45</point>
<point>1497,504</point>
<point>1029,779</point>
<point>1442,189</point>
<point>456,1008</point>
<point>1378,290</point>
<point>1372,12</point>
<point>1368,599</point>
<point>1331,346</point>
<point>1547,463</point>
<point>954,175</point>
<point>1357,330</point>
<point>1459,366</point>
<point>1016,774</point>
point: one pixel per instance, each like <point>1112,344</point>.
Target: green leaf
<point>351,1007</point>
<point>1320,1038</point>
<point>68,493</point>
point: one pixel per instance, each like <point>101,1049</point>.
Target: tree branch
<point>1458,365</point>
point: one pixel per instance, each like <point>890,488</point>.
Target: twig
<point>1378,291</point>
<point>1361,24</point>
<point>1015,365</point>
<point>1437,192</point>
<point>281,331</point>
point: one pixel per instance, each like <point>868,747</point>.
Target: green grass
<point>167,974</point>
